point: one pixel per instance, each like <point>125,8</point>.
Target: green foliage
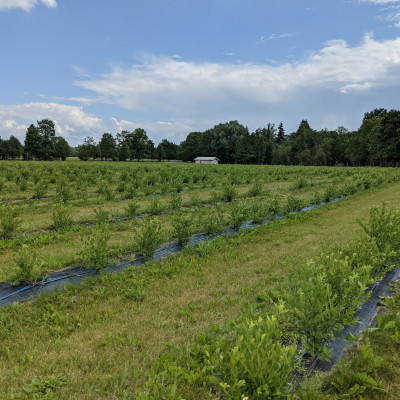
<point>149,235</point>
<point>213,221</point>
<point>255,190</point>
<point>384,228</point>
<point>183,228</point>
<point>257,366</point>
<point>294,203</point>
<point>62,216</point>
<point>229,192</point>
<point>42,388</point>
<point>132,209</point>
<point>238,213</point>
<point>95,247</point>
<point>101,215</point>
<point>176,201</point>
<point>135,290</point>
<point>8,221</point>
<point>63,191</point>
<point>40,189</point>
<point>27,266</point>
<point>156,206</point>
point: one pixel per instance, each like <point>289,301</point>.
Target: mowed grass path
<point>91,337</point>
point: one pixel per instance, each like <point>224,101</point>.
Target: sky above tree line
<point>176,66</point>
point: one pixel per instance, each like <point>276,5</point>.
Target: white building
<point>206,160</point>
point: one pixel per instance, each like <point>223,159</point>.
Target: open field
<point>55,208</point>
<point>101,339</point>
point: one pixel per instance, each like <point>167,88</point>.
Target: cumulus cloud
<point>174,130</point>
<point>26,5</point>
<point>71,122</point>
<point>189,89</point>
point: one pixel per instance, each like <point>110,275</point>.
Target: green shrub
<point>384,228</point>
<point>95,247</point>
<point>213,221</point>
<point>176,201</point>
<point>62,216</point>
<point>8,221</point>
<point>132,209</point>
<point>40,189</point>
<point>149,235</point>
<point>101,215</point>
<point>229,193</point>
<point>238,213</point>
<point>28,267</point>
<point>293,204</point>
<point>255,190</point>
<point>63,191</point>
<point>156,207</point>
<point>183,228</point>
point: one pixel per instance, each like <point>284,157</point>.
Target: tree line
<point>376,142</point>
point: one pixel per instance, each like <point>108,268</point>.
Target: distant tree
<point>46,129</point>
<point>88,149</point>
<point>319,156</point>
<point>244,150</point>
<point>378,112</point>
<point>191,147</point>
<point>389,138</point>
<point>281,155</point>
<point>32,144</point>
<point>107,147</point>
<point>10,149</point>
<point>167,150</point>
<point>281,134</point>
<point>14,147</point>
<point>124,153</point>
<point>61,148</point>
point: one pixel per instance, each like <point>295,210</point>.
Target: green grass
<point>99,340</point>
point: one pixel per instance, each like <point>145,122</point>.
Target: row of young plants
<point>151,233</point>
<point>9,223</point>
<point>255,356</point>
<point>125,180</point>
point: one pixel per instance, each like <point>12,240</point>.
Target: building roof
<point>205,158</point>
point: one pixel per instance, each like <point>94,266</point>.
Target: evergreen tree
<point>32,144</point>
<point>46,129</point>
<point>281,134</point>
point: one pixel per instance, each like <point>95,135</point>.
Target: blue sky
<point>177,66</point>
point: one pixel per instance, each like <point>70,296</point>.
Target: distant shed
<point>206,160</point>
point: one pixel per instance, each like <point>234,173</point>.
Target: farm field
<point>54,210</point>
<point>114,337</point>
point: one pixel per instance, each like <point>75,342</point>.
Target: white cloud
<point>189,90</point>
<point>390,13</point>
<point>174,130</point>
<point>273,36</point>
<point>70,121</point>
<point>380,2</point>
<point>26,5</point>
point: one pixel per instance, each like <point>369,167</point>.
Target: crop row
<point>256,355</point>
<point>72,243</point>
